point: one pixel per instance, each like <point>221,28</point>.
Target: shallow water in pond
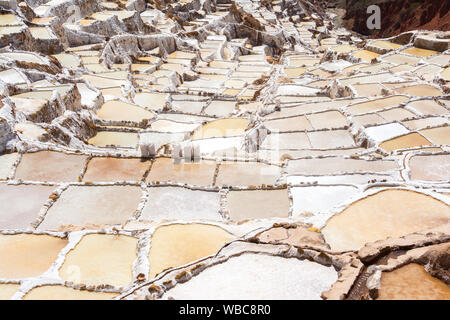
<point>407,141</point>
<point>81,205</point>
<point>120,139</point>
<point>412,282</point>
<point>439,135</point>
<point>385,45</point>
<point>418,52</point>
<point>221,128</point>
<point>27,255</point>
<point>121,111</point>
<point>114,169</point>
<point>55,292</point>
<point>365,55</point>
<point>177,244</point>
<point>389,213</point>
<point>420,90</point>
<point>376,104</point>
<point>101,259</point>
<point>7,290</point>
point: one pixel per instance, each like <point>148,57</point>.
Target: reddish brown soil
<point>398,16</point>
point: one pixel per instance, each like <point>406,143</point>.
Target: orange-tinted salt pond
<point>7,290</point>
<point>55,292</point>
<point>243,173</point>
<point>409,140</point>
<point>221,128</point>
<point>115,169</point>
<point>101,259</point>
<point>112,138</point>
<point>412,282</point>
<point>28,255</point>
<point>195,173</point>
<point>388,213</point>
<point>177,244</point>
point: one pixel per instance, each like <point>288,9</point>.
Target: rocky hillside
<point>398,16</point>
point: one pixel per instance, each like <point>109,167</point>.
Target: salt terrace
<point>235,149</point>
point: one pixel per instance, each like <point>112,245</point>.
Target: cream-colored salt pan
<point>220,108</point>
<point>430,168</point>
<point>412,282</point>
<point>55,292</point>
<point>102,82</point>
<point>295,140</point>
<point>221,128</point>
<point>68,60</point>
<point>365,55</point>
<point>419,52</point>
<point>428,107</point>
<point>294,72</point>
<point>377,104</point>
<point>8,290</point>
<point>120,139</point>
<point>172,203</point>
<point>24,57</point>
<point>11,30</point>
<point>195,173</point>
<point>388,213</point>
<point>257,204</point>
<point>385,45</point>
<point>101,259</point>
<point>246,173</point>
<point>28,255</point>
<point>41,33</point>
<point>8,20</point>
<point>332,139</point>
<point>439,135</point>
<point>81,205</point>
<point>176,245</point>
<point>288,124</point>
<point>401,59</point>
<point>320,199</point>
<point>172,126</point>
<point>6,163</point>
<point>420,90</point>
<point>121,111</point>
<point>50,166</point>
<point>12,76</point>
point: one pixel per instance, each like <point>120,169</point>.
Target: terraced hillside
<point>202,149</point>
